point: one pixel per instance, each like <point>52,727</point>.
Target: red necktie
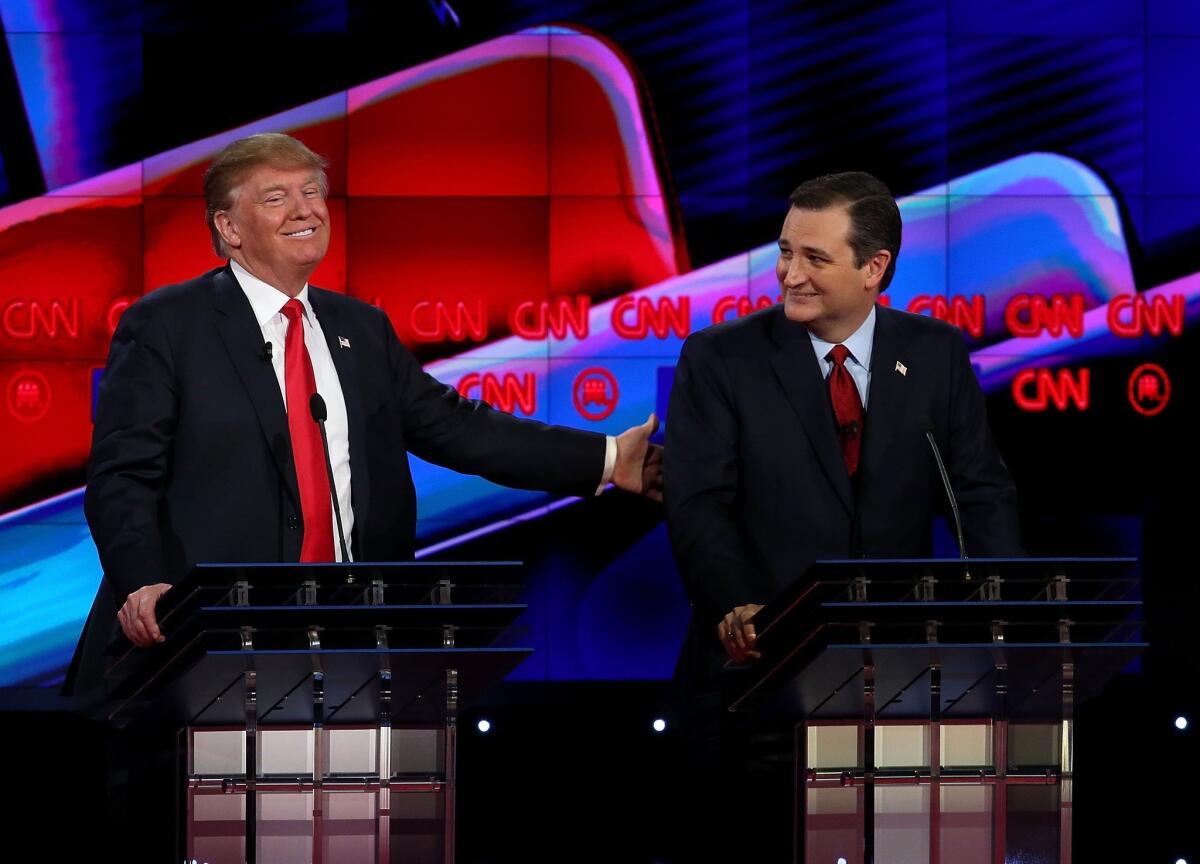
<point>311,476</point>
<point>847,407</point>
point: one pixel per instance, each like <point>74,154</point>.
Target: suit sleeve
<point>987,497</point>
<point>470,437</point>
<point>701,483</point>
<point>136,413</point>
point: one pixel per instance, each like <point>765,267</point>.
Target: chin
<point>799,313</point>
<point>310,257</point>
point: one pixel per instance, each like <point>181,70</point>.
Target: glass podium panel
<point>965,823</point>
<point>834,825</point>
<point>901,823</point>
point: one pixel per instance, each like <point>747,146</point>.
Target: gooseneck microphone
<point>941,466</point>
<point>316,407</point>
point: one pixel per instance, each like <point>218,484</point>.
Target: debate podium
<point>933,701</point>
<point>315,706</point>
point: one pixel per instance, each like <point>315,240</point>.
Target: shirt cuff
<point>610,462</point>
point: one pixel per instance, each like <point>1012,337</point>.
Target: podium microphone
<point>941,466</point>
<point>316,407</point>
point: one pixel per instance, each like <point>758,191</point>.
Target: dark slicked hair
<point>231,166</point>
<point>874,217</point>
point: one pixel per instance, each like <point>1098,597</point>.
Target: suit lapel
<point>335,326</point>
<point>888,393</point>
<point>796,367</point>
<point>243,340</point>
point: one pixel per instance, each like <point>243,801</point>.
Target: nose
<point>301,207</point>
<point>793,272</point>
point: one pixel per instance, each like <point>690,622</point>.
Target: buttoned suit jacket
<point>191,459</point>
<point>755,484</point>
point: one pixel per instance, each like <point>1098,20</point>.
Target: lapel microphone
<point>266,352</point>
<point>316,407</point>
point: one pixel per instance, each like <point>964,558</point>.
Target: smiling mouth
<point>307,232</point>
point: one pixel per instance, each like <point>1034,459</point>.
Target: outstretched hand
<point>639,463</point>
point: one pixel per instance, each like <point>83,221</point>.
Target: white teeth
<point>303,233</point>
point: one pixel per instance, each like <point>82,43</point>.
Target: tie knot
<point>838,355</point>
<point>293,310</point>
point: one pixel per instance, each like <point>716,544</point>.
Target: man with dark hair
<point>874,216</point>
<point>797,434</point>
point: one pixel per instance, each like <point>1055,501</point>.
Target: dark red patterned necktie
<point>300,383</point>
<point>847,407</point>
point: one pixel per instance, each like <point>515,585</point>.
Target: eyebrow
<point>280,187</point>
<point>816,250</point>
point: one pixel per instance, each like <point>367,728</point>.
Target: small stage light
<point>659,724</point>
<point>1181,723</point>
<point>841,861</point>
<point>484,726</point>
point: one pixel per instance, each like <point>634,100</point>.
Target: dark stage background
<point>546,197</point>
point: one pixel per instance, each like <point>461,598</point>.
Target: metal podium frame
<point>322,646</point>
<point>935,641</point>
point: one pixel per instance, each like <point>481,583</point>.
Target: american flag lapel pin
<point>901,368</point>
<point>343,342</point>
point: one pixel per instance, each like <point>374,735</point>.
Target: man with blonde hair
<point>204,448</point>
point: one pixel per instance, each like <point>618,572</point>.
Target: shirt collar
<point>860,342</point>
<point>266,300</point>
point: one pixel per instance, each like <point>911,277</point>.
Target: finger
<point>123,620</point>
<point>149,621</point>
<point>136,606</point>
<point>129,624</point>
<point>137,632</point>
<point>751,636</point>
<point>651,423</point>
<point>735,636</point>
<point>723,628</point>
<point>723,638</point>
<point>726,632</point>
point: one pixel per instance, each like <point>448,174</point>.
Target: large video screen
<point>546,199</point>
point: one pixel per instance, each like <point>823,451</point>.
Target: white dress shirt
<point>267,303</point>
<point>858,364</point>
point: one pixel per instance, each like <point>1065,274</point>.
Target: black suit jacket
<point>191,460</point>
<point>755,485</point>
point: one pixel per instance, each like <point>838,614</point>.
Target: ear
<point>227,229</point>
<point>876,266</point>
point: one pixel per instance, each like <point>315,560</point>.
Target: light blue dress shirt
<point>858,364</point>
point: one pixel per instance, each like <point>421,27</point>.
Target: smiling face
<point>278,225</point>
<point>822,287</point>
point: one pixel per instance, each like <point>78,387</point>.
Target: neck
<point>839,332</point>
<point>290,284</point>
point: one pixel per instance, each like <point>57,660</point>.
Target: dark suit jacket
<point>755,485</point>
<point>191,460</point>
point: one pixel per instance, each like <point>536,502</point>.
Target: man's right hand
<point>736,633</point>
<point>137,617</point>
